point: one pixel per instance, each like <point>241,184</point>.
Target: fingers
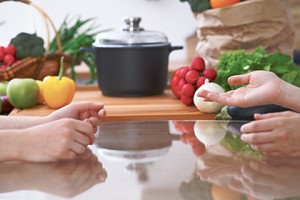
<point>257,126</point>
<point>85,129</point>
<point>88,106</point>
<point>272,115</point>
<point>257,138</point>
<point>81,139</point>
<point>77,148</point>
<point>97,114</point>
<point>239,79</point>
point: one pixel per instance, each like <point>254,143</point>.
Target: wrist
<point>289,96</point>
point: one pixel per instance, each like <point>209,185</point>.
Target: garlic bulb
<point>209,132</point>
<point>208,107</point>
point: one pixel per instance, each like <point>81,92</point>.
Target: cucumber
<point>239,113</point>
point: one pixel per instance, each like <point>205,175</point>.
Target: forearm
<point>20,122</point>
<point>10,145</point>
<point>289,97</point>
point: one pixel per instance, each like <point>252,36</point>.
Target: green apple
<point>23,92</point>
<point>3,86</point>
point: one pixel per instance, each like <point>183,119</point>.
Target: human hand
<point>90,112</point>
<point>265,181</point>
<point>62,139</point>
<point>258,178</point>
<point>274,134</point>
<point>261,87</point>
<point>65,178</point>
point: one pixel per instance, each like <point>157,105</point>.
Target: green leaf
<point>198,5</point>
<point>74,34</point>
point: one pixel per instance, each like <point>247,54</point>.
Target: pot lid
<point>131,35</point>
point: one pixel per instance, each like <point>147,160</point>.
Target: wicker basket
<point>37,67</point>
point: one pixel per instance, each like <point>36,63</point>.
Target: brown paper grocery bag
<point>246,25</point>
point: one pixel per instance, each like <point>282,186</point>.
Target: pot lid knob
<point>133,24</point>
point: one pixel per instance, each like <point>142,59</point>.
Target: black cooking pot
<point>132,62</point>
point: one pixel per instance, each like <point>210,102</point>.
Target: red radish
<point>2,49</point>
<point>201,81</point>
<point>181,83</point>
<point>210,73</point>
<point>174,86</point>
<point>198,63</point>
<point>175,80</point>
<point>183,72</point>
<point>10,49</point>
<point>9,59</point>
<point>3,67</point>
<point>186,100</point>
<point>188,90</point>
<point>192,76</point>
<point>1,56</point>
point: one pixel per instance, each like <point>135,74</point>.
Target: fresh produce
<point>209,132</point>
<point>202,5</point>
<point>222,3</point>
<point>41,96</point>
<point>58,91</point>
<point>7,56</point>
<point>187,136</point>
<point>187,79</point>
<point>3,86</point>
<point>247,113</point>
<point>234,143</point>
<point>28,45</point>
<point>6,105</point>
<point>240,62</point>
<point>198,5</point>
<point>73,37</point>
<point>22,92</point>
<point>208,107</point>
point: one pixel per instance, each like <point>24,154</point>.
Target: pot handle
<point>173,48</point>
<point>87,49</point>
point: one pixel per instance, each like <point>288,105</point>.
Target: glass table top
<point>159,160</point>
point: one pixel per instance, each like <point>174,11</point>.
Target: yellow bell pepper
<point>58,91</point>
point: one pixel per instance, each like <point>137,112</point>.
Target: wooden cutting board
<point>162,107</point>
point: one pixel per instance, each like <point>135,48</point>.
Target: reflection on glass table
<point>158,160</point>
<point>65,179</point>
<point>231,163</point>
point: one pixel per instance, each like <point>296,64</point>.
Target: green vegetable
<point>235,144</point>
<point>28,45</point>
<point>198,5</point>
<point>239,62</point>
<point>23,92</point>
<point>75,36</point>
<point>3,86</point>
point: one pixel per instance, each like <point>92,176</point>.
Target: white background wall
<point>171,17</point>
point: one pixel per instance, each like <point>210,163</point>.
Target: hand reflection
<point>265,181</point>
<point>66,179</point>
<point>257,178</point>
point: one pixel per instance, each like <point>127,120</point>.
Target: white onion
<point>209,132</point>
<point>208,107</point>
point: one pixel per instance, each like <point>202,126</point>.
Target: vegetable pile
<point>187,79</point>
<point>7,56</point>
<point>75,34</point>
<point>202,5</point>
<point>240,62</point>
<point>28,45</point>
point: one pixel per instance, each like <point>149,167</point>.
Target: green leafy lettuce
<point>240,62</point>
<point>198,5</point>
<point>235,144</point>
